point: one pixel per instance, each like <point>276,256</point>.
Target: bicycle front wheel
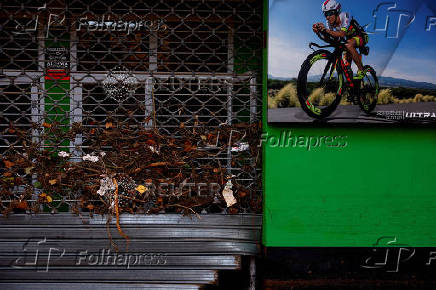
<point>319,86</point>
<point>369,90</point>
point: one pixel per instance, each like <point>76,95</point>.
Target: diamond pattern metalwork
<point>194,62</point>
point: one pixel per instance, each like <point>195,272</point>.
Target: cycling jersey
<point>345,23</point>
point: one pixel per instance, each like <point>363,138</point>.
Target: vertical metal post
<point>76,100</point>
<point>230,70</point>
<point>252,273</point>
<point>35,111</point>
<point>152,67</point>
<point>73,50</point>
<point>40,96</point>
<point>149,106</point>
<point>229,122</point>
<point>34,101</point>
<point>152,58</point>
<point>253,99</point>
<point>76,117</point>
<point>230,52</point>
<point>41,47</point>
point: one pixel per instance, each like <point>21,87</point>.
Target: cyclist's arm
<point>333,33</point>
<point>336,33</point>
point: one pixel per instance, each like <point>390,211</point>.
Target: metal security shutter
<point>165,250</point>
<point>202,67</point>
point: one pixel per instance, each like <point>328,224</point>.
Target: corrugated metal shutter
<point>63,250</point>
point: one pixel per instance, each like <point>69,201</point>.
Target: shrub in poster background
<point>311,84</point>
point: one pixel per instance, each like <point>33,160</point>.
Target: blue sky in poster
<point>404,48</point>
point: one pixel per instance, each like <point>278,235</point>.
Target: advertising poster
<point>352,62</point>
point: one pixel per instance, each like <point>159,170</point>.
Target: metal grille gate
<point>190,62</point>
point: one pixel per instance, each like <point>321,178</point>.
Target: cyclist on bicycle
<point>340,25</point>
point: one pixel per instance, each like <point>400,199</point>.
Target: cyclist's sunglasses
<point>329,13</point>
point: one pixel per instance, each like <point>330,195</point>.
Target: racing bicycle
<point>325,78</point>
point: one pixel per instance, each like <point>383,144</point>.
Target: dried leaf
<point>233,210</point>
<point>46,125</point>
<point>52,181</point>
<point>22,205</point>
<point>7,174</point>
<point>8,164</point>
<point>45,197</point>
<point>157,164</point>
<point>182,125</point>
<point>242,193</point>
<point>189,147</point>
<point>109,125</point>
<point>90,206</point>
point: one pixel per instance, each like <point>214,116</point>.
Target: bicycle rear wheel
<point>369,90</point>
<point>319,86</point>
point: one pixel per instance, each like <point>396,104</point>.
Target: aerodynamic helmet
<point>331,5</point>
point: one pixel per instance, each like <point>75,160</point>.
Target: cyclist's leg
<point>351,45</point>
<point>348,58</point>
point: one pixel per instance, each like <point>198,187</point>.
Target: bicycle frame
<point>340,48</point>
